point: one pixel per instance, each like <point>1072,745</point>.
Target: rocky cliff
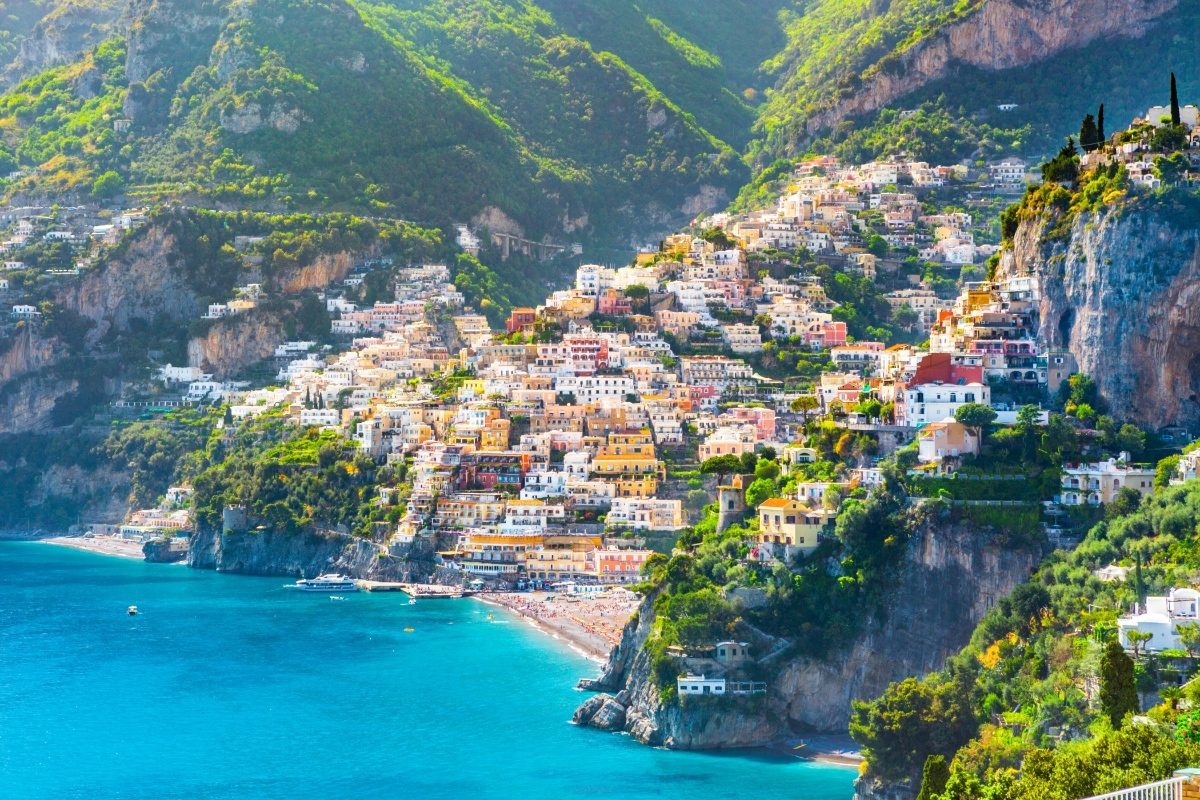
<point>29,390</point>
<point>268,552</point>
<point>1120,289</point>
<point>318,273</point>
<point>1001,34</point>
<point>148,280</point>
<point>950,577</point>
<point>234,343</point>
<point>61,36</point>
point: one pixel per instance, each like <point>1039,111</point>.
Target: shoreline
<point>119,548</point>
<point>832,749</point>
<point>576,625</point>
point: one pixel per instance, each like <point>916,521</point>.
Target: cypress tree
<point>1100,124</point>
<point>1139,584</point>
<point>1118,694</point>
<point>934,776</point>
<point>1174,102</point>
<point>1089,135</point>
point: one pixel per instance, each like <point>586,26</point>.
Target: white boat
<point>326,583</point>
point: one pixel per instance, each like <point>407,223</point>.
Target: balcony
<point>1183,785</point>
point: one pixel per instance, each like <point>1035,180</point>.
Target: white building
<point>742,338</point>
<point>591,279</point>
<point>692,685</point>
<point>646,513</point>
<point>172,374</point>
<point>934,402</point>
<point>320,417</point>
<point>1188,115</point>
<point>1161,619</point>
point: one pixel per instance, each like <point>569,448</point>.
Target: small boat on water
<point>336,597</point>
<point>325,583</point>
<point>132,611</point>
<point>412,601</point>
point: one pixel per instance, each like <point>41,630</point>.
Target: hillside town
<point>560,450</point>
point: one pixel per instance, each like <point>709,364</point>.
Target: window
<point>969,397</point>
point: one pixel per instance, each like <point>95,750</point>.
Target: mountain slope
<point>38,34</point>
<point>850,58</point>
<point>439,111</point>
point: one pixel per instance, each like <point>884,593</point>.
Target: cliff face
<point>150,279</point>
<point>273,553</point>
<point>27,395</point>
<point>1122,294</point>
<point>144,283</point>
<point>62,36</point>
<point>233,343</point>
<point>318,273</point>
<point>1002,34</point>
<point>25,353</point>
<point>163,38</point>
<point>950,577</point>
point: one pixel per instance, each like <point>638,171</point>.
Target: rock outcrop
<point>269,552</point>
<point>147,281</point>
<point>1121,292</point>
<point>1001,34</point>
<point>950,577</point>
<point>234,343</point>
<point>62,36</point>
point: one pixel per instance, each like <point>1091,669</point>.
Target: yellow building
<point>494,436</point>
<point>789,525</point>
<point>629,443</point>
<point>561,557</point>
<point>488,553</point>
<point>628,465</point>
<point>469,511</point>
<point>464,437</point>
<point>646,486</point>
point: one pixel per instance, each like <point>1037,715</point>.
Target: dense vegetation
<point>554,114</point>
<point>433,111</point>
<point>291,480</point>
<point>1002,705</point>
<point>817,604</point>
<point>836,47</point>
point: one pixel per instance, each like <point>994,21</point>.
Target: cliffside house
<point>1161,618</point>
<point>946,439</point>
<point>787,527</point>
<point>1096,484</point>
<point>692,685</point>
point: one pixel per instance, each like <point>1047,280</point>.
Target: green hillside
<point>958,117</point>
<point>550,119</point>
<point>1022,711</point>
<point>435,111</point>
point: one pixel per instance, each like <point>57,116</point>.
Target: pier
<point>424,591</point>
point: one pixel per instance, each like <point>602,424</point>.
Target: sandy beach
<point>592,624</point>
<point>99,544</point>
<point>826,748</point>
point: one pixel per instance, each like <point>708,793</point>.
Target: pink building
<point>763,420</point>
<point>614,303</point>
<point>827,334</point>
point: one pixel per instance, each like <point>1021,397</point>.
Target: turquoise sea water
<point>231,687</point>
